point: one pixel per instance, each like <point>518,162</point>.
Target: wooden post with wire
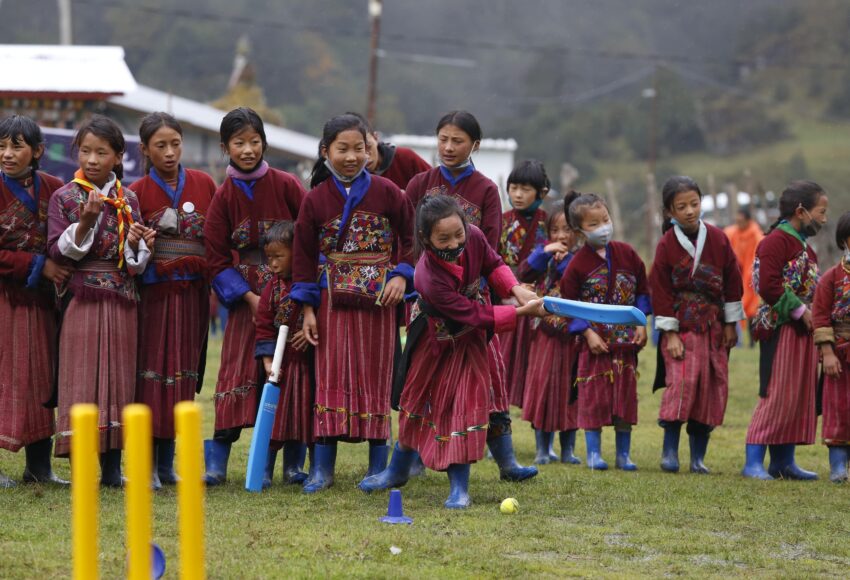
<point>84,491</point>
<point>138,443</point>
<point>190,490</point>
<point>375,9</point>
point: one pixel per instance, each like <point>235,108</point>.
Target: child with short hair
<point>605,271</point>
<point>293,424</point>
<point>523,229</point>
<point>28,340</point>
<point>552,349</point>
<point>95,224</point>
<point>831,321</point>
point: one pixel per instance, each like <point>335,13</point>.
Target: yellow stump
<point>190,490</point>
<point>138,445</point>
<point>84,488</point>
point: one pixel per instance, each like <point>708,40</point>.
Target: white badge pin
<point>188,207</point>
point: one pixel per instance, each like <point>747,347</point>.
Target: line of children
<point>547,400</point>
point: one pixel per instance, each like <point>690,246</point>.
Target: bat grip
<point>278,354</point>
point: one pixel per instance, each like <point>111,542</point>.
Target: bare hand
<point>595,342</point>
<point>640,336</point>
<point>675,347</point>
<point>559,249</point>
<point>310,327</point>
<point>730,336</point>
<point>523,295</point>
<point>806,318</point>
<point>393,292</point>
<point>253,302</point>
<point>89,210</point>
<point>532,308</point>
<point>267,363</point>
<point>299,341</point>
<point>55,272</point>
<point>134,234</point>
<point>149,236</point>
<point>831,364</point>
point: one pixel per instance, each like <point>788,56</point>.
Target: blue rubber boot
<point>323,474</point>
<point>268,474</point>
<point>502,448</point>
<point>110,469</point>
<point>395,475</point>
<point>542,439</point>
<point>6,482</point>
<point>417,468</point>
<point>593,440</point>
<point>312,454</point>
<point>670,449</point>
<point>699,447</point>
<point>459,486</point>
<point>568,447</point>
<point>293,462</point>
<point>378,455</point>
<point>623,442</point>
<point>838,458</point>
<point>782,464</point>
<point>165,461</point>
<point>156,484</point>
<point>754,466</point>
<point>216,456</point>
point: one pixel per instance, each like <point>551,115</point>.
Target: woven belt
<point>358,258</point>
<point>171,248</point>
<point>98,266</point>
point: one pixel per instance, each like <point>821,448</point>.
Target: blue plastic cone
<point>395,513</point>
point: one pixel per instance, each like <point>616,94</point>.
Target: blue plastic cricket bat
<point>258,454</point>
<point>602,313</point>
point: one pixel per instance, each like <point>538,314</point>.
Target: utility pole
<point>65,29</point>
<point>375,9</point>
<point>651,159</point>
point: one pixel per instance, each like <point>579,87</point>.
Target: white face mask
<point>600,237</point>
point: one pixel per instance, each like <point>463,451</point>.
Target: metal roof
<point>148,100</point>
<point>56,69</point>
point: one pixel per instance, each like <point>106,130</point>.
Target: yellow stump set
<point>138,446</point>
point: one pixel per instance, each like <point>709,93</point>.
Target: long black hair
<point>108,130</point>
<point>799,193</point>
<point>431,209</point>
<point>153,123</point>
<point>463,120</point>
<point>330,132</point>
<point>19,127</point>
<point>671,188</point>
<point>574,205</point>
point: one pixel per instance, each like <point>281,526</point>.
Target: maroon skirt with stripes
<point>445,406</point>
<point>515,353</point>
<point>354,369</point>
<point>546,403</point>
<point>501,396</point>
<point>698,386</point>
<point>293,420</point>
<point>98,345</point>
<point>27,353</point>
<point>236,392</point>
<point>788,414</point>
<point>607,388</point>
<point>172,329</point>
<point>836,406</point>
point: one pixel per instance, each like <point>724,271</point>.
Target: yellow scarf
<point>122,208</point>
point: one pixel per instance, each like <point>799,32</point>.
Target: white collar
<point>107,187</point>
<point>688,246</point>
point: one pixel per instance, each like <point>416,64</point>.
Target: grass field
<point>572,522</point>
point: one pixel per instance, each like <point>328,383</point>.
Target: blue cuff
<point>578,325</point>
<point>411,296</point>
<point>643,303</point>
<point>306,293</point>
<point>264,348</point>
<point>34,273</point>
<point>405,270</point>
<point>230,287</point>
<point>539,259</point>
<point>149,276</point>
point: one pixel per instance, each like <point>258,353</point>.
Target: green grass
<point>572,522</point>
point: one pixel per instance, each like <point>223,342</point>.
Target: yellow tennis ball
<point>509,506</point>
